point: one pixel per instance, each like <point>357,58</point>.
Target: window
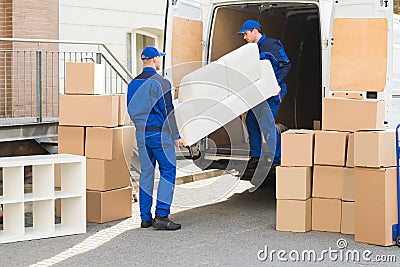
<point>136,42</point>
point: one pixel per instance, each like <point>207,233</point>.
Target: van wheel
<point>201,162</point>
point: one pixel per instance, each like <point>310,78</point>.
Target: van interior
<point>297,26</point>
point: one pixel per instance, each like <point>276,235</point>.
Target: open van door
<point>183,39</point>
<point>361,48</point>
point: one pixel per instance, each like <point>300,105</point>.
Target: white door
<point>361,45</point>
<point>361,48</point>
<point>183,39</point>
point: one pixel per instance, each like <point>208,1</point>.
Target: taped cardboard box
<point>326,214</point>
<point>103,175</point>
<point>350,151</point>
<point>375,149</point>
<point>293,183</point>
<point>71,140</point>
<point>85,78</point>
<point>297,148</point>
<point>352,115</point>
<point>108,206</point>
<point>328,182</point>
<point>293,215</point>
<point>330,148</point>
<point>348,185</point>
<point>347,225</point>
<point>109,143</point>
<point>375,205</point>
<point>89,110</point>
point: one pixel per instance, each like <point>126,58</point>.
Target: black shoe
<point>252,163</point>
<point>164,223</point>
<point>246,174</point>
<point>146,224</point>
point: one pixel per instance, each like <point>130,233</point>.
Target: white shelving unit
<point>43,196</point>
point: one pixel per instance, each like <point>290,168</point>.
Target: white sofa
<point>219,92</point>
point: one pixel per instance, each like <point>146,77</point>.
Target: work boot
<point>146,224</point>
<point>252,163</point>
<point>164,223</point>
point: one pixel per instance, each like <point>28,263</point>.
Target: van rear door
<point>361,47</point>
<point>183,39</point>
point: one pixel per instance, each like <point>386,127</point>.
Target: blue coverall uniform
<point>150,108</point>
<point>260,116</point>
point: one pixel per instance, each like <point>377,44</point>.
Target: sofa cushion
<point>208,82</point>
<point>242,66</point>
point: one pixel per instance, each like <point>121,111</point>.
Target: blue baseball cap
<point>151,52</point>
<point>249,25</point>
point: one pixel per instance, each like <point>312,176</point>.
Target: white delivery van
<point>323,39</point>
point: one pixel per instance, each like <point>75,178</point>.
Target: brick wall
<point>5,77</point>
<point>33,19</point>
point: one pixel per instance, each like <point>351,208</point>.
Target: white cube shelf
<point>43,196</point>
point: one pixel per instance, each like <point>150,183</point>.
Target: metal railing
<point>32,75</point>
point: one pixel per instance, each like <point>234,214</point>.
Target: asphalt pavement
<point>223,224</point>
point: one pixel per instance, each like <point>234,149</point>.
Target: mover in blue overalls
<point>263,115</point>
<point>150,108</point>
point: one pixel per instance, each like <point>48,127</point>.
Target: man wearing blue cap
<point>273,50</point>
<point>151,110</point>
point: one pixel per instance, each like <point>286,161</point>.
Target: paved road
<point>228,232</point>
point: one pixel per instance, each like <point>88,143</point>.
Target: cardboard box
<point>84,78</point>
<point>350,151</point>
<point>347,226</point>
<point>89,110</point>
<point>123,116</point>
<point>352,115</point>
<point>375,149</point>
<point>293,215</point>
<point>71,140</point>
<point>328,181</point>
<point>348,185</point>
<point>57,205</point>
<point>103,175</point>
<point>57,175</point>
<point>109,143</point>
<point>330,148</point>
<point>293,183</point>
<point>297,148</point>
<point>376,205</point>
<point>108,206</point>
<point>326,214</point>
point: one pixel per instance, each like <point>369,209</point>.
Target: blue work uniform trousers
<point>261,118</point>
<point>152,147</point>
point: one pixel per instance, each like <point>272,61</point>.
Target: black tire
<point>398,240</point>
<point>201,162</point>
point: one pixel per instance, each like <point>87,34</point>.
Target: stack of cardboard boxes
<point>95,125</point>
<point>349,166</point>
<point>293,181</point>
<point>376,186</point>
<point>330,173</point>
